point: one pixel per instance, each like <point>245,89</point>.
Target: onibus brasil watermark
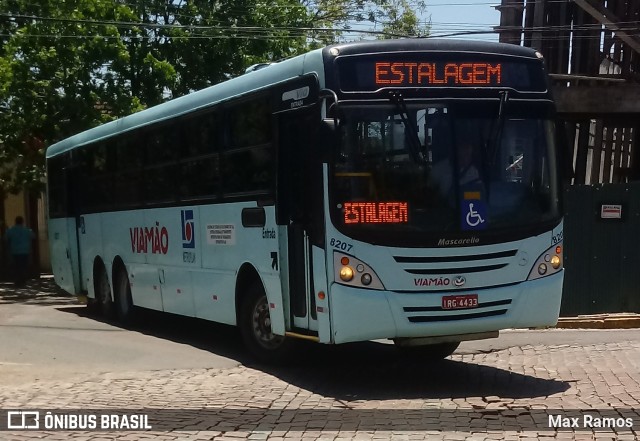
<point>553,420</point>
<point>48,420</point>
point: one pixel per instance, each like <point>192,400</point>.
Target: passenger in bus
<point>442,172</point>
<point>19,240</point>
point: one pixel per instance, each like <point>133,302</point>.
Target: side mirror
<point>564,150</point>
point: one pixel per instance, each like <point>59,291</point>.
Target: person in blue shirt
<point>19,240</point>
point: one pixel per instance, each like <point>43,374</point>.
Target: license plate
<point>460,302</point>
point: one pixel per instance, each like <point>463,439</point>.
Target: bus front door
<point>295,199</point>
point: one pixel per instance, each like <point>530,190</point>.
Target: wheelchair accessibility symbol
<point>474,215</point>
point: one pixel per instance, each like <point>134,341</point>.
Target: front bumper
<point>361,314</point>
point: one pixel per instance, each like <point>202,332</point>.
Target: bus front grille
<point>457,314</point>
<point>473,263</point>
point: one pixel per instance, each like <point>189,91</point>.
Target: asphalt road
<point>48,335</point>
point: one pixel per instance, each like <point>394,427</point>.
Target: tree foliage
<point>69,66</point>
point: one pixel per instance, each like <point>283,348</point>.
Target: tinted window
<point>200,135</point>
<point>248,171</point>
<point>56,186</point>
<point>128,178</point>
<point>250,123</point>
<point>200,177</point>
<point>97,190</point>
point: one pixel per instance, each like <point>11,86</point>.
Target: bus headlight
<point>345,273</point>
<point>549,262</point>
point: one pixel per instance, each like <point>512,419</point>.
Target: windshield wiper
<point>415,148</point>
<point>495,138</point>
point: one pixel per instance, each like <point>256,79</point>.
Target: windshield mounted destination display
<point>374,72</point>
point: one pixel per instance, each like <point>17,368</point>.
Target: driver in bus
<point>442,172</point>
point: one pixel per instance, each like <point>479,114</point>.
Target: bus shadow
<point>376,371</point>
<point>219,339</point>
<point>349,372</point>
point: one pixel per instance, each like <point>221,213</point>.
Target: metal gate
<point>602,249</point>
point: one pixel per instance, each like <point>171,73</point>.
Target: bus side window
<point>199,169</point>
<point>160,165</point>
<point>55,174</point>
<point>250,123</point>
<point>99,179</point>
<point>199,135</point>
<point>248,161</point>
<point>200,178</point>
<point>248,171</point>
<point>129,160</point>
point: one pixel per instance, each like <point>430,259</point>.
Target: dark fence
<point>602,249</point>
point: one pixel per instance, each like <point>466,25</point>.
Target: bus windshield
<point>444,167</point>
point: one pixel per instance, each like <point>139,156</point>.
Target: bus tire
<point>93,305</point>
<point>103,293</point>
<point>125,311</point>
<point>255,327</point>
<point>434,352</point>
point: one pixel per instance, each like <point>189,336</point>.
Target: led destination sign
<point>375,212</point>
<point>370,73</point>
<point>425,74</point>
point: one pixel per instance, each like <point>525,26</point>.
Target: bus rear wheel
<point>124,302</point>
<point>103,293</point>
<point>255,326</point>
<point>434,352</point>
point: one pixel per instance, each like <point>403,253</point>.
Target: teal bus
<point>406,190</point>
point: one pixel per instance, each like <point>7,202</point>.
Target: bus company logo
<point>154,239</point>
<point>459,280</point>
<point>188,227</point>
<point>457,242</point>
<point>432,281</point>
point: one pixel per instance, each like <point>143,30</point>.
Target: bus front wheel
<point>124,302</point>
<point>432,352</point>
<point>255,326</point>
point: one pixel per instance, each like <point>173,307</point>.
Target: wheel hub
<point>262,325</point>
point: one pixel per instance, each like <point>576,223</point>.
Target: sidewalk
<point>625,320</point>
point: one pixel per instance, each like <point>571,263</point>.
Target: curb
<point>600,321</point>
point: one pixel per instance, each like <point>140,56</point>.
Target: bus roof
<point>434,45</point>
<point>251,81</point>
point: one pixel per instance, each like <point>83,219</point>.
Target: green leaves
<point>69,66</point>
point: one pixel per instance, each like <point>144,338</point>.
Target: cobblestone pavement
<point>362,392</point>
